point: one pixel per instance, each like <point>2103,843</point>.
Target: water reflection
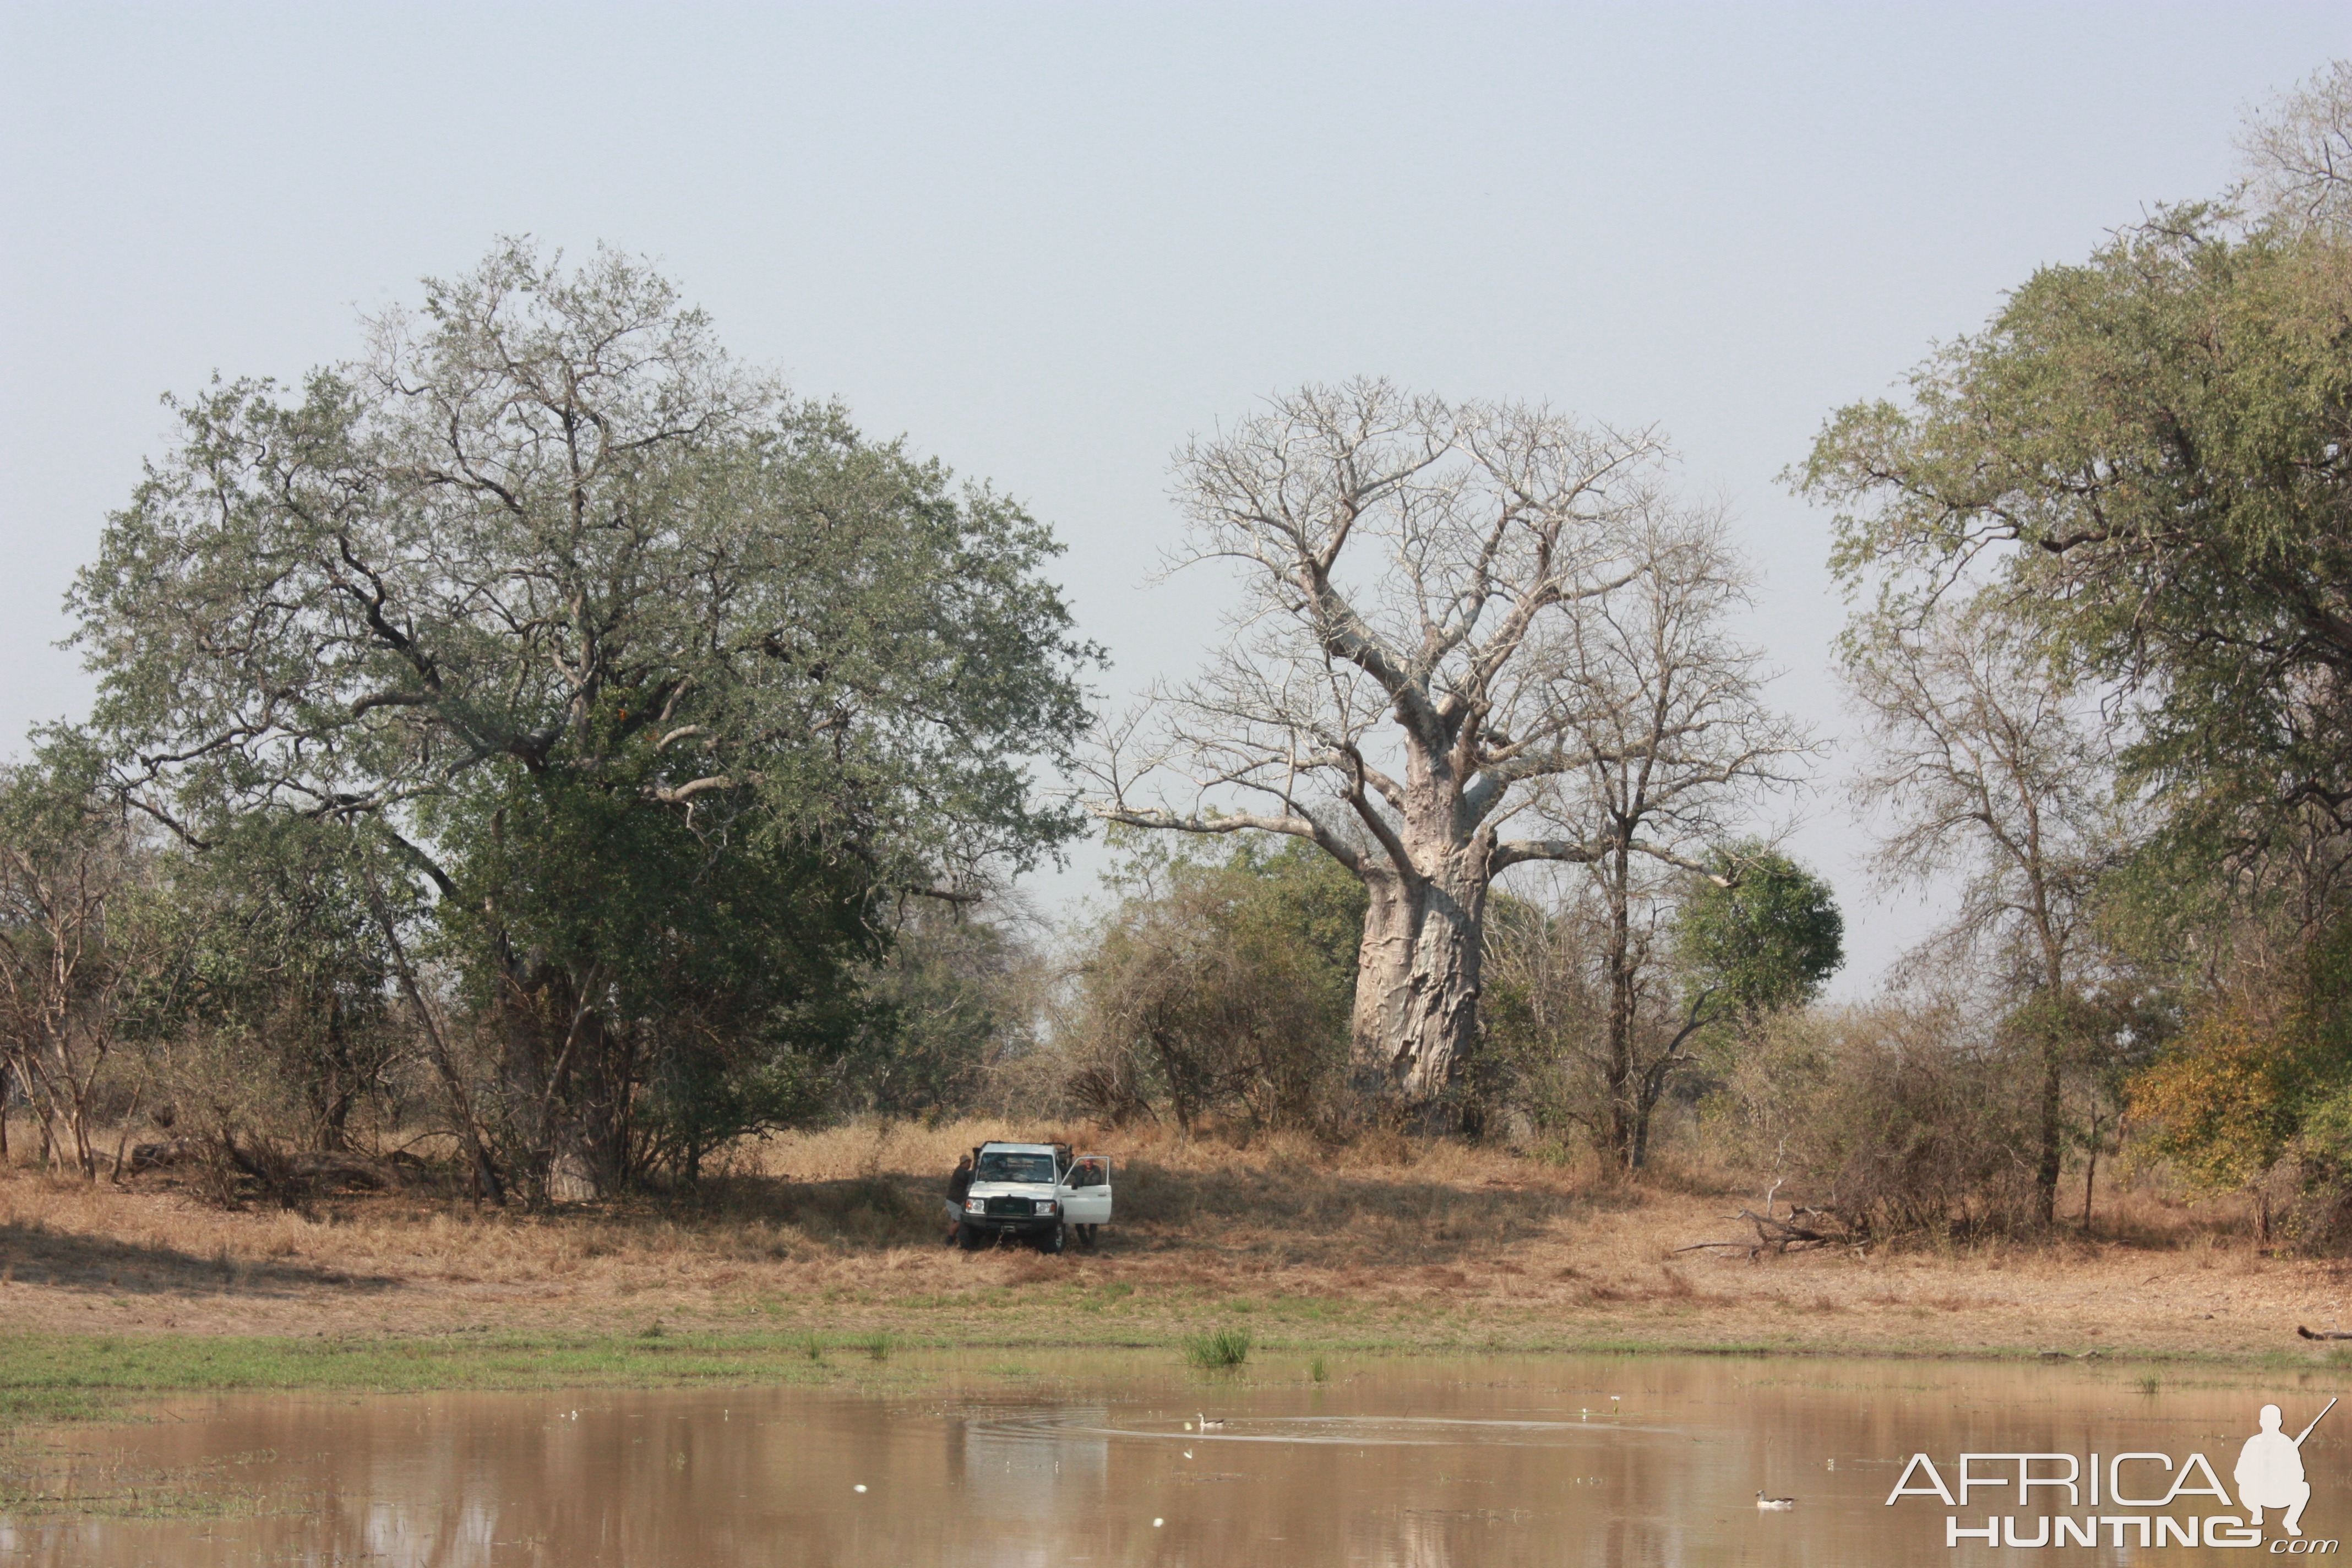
<point>1410,1463</point>
<point>1052,1460</point>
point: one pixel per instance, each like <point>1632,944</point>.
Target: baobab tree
<point>1421,678</point>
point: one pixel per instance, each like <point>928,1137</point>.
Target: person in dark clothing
<point>958,1184</point>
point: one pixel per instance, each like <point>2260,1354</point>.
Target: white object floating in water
<point>1187,1425</point>
<point>858,1488</point>
<point>1188,1453</point>
<point>1774,1502</point>
<point>1158,1522</point>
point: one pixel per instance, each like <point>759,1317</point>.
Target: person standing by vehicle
<point>959,1185</point>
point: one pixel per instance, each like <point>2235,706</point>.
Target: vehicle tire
<point>1052,1242</point>
<point>968,1235</point>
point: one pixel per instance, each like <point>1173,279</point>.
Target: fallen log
<point>162,1157</point>
<point>1803,1227</point>
<point>333,1168</point>
<point>2329,1334</point>
<point>349,1170</point>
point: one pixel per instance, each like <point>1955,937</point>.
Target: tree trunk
<point>2089,1171</point>
<point>1417,979</point>
<point>1383,983</point>
<point>1628,1139</point>
<point>1652,1083</point>
<point>461,1109</point>
<point>2053,1056</point>
<point>571,1076</point>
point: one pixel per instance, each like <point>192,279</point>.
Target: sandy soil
<point>1404,1246</point>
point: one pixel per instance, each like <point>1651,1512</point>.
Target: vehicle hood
<point>1011,1190</point>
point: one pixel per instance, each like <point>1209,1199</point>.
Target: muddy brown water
<point>1000,1458</point>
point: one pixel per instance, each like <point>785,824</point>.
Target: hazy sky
<point>1047,242</point>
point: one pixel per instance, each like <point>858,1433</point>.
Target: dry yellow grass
<point>1388,1241</point>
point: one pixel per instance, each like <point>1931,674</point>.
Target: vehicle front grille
<point>1012,1208</point>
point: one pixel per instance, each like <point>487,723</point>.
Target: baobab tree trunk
<point>1417,978</point>
<point>1383,981</point>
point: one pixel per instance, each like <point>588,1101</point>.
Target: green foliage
<point>2152,454</point>
<point>2262,1073</point>
<point>1737,952</point>
<point>951,1002</point>
<point>1764,939</point>
<point>648,677</point>
<point>550,521</point>
<point>272,1016</point>
<point>723,974</point>
<point>1222,984</point>
<point>2131,487</point>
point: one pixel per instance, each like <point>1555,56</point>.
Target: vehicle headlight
<point>975,1205</point>
<point>1048,1206</point>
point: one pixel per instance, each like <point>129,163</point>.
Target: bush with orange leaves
<point>2261,1078</point>
<point>2222,1105</point>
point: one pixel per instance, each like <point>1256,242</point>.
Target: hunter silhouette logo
<point>2269,1477</point>
<point>2270,1471</point>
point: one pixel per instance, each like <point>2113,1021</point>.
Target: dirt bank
<point>1397,1245</point>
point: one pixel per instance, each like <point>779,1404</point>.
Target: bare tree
<point>2298,155</point>
<point>71,953</point>
<point>1662,763</point>
<point>1431,678</point>
<point>1989,767</point>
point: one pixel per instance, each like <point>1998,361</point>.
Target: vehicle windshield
<point>998,1166</point>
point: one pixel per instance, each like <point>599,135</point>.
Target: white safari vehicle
<point>1039,1192</point>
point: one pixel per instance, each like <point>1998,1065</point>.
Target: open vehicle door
<point>1085,1191</point>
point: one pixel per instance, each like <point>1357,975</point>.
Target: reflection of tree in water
<point>1029,1465</point>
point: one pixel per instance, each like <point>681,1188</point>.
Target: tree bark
<point>2089,1171</point>
<point>2053,1054</point>
<point>1417,977</point>
<point>1384,980</point>
<point>1625,1132</point>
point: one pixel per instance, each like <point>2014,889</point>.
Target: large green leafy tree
<point>600,631</point>
<point>2150,456</point>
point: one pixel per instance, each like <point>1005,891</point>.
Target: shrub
<point>1902,1116</point>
